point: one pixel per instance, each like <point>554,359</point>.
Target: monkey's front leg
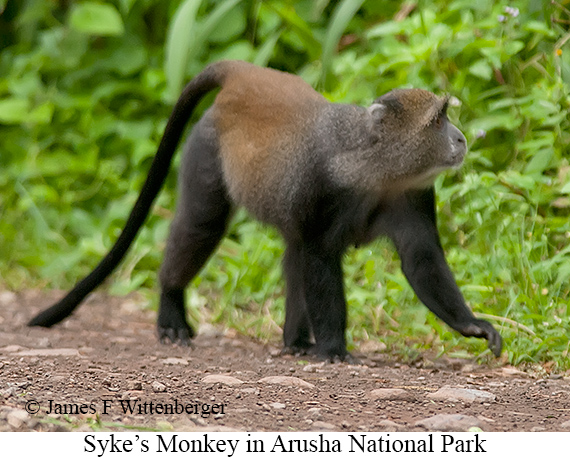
<point>423,262</point>
<point>428,273</point>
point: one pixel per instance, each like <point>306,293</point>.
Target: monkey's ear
<point>377,110</point>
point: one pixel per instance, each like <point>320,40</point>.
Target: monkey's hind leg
<point>200,222</point>
<point>297,329</point>
<point>322,283</point>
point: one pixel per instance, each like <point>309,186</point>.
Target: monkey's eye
<point>438,122</point>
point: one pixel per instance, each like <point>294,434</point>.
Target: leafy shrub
<point>86,88</point>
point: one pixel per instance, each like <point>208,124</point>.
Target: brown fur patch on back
<point>259,114</point>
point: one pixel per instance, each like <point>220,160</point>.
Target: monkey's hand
<point>483,329</point>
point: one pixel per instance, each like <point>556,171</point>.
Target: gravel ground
<point>103,369</point>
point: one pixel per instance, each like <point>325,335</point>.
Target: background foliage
<point>86,88</point>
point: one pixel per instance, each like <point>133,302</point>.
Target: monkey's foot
<point>347,358</point>
<point>171,325</point>
<point>483,329</point>
<point>174,329</point>
<point>311,350</point>
<point>181,336</point>
<point>297,350</point>
<point>333,356</point>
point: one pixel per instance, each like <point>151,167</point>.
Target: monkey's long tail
<point>203,83</point>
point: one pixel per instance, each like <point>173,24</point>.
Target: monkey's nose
<point>460,138</point>
<point>460,144</point>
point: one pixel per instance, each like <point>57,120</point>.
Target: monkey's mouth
<point>456,159</point>
<point>455,164</point>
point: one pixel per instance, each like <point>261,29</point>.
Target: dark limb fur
<point>413,230</point>
<point>326,306</point>
<point>297,328</point>
<point>201,218</point>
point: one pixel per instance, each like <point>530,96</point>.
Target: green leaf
<point>540,142</point>
<point>494,56</point>
<point>514,178</point>
<point>539,27</point>
<point>318,8</point>
<point>513,47</point>
<point>343,13</point>
<point>390,28</point>
<point>216,17</point>
<point>232,27</point>
<point>126,5</point>
<point>566,188</point>
<point>496,121</point>
<point>265,52</point>
<point>540,161</point>
<point>481,69</point>
<point>179,43</point>
<point>127,59</point>
<point>14,110</point>
<point>42,114</point>
<point>294,23</point>
<point>96,19</point>
<point>240,50</point>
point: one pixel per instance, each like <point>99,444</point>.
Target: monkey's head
<point>415,123</point>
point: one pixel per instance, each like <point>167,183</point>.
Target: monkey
<point>328,176</point>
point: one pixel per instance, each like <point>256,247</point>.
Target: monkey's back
<point>264,119</point>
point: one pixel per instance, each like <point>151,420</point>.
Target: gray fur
<point>382,150</point>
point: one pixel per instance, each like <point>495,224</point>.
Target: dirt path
<point>106,358</point>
